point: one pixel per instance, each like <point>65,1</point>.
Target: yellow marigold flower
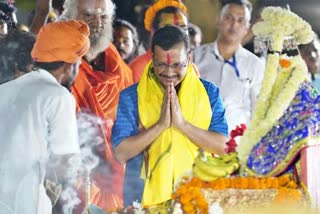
<point>159,5</point>
<point>275,184</point>
<point>189,208</point>
<point>288,196</point>
<point>284,180</point>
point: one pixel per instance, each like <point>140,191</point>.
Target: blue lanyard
<point>233,63</point>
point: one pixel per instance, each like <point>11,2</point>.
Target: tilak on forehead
<point>119,33</point>
<point>168,59</point>
<point>176,19</point>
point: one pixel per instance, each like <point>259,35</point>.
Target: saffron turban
<point>65,41</point>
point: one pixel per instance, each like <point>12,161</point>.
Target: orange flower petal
<point>285,63</point>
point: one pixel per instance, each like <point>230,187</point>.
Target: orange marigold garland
<point>159,5</point>
<point>192,200</point>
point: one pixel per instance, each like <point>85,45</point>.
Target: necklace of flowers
<point>276,94</point>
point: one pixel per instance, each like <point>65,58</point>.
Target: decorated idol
<point>282,134</point>
<point>286,116</point>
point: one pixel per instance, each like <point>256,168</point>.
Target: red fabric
<point>137,65</point>
<point>98,92</point>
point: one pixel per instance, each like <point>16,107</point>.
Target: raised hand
<point>165,117</point>
<point>43,8</point>
<point>177,118</point>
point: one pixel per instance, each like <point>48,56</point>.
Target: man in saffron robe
<point>102,75</point>
<point>165,119</point>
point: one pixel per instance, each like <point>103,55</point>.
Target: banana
<point>222,161</point>
<point>215,168</point>
<point>214,161</point>
<point>232,157</point>
<point>202,174</point>
<point>228,157</point>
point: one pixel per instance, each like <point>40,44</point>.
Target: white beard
<point>99,41</point>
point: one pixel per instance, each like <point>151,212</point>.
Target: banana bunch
<point>209,168</point>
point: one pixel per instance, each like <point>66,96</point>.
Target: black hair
<point>49,66</point>
<point>117,23</point>
<point>157,19</point>
<point>169,36</point>
<point>6,11</point>
<point>7,7</point>
<point>245,3</point>
<point>123,23</point>
<point>4,17</point>
<point>15,53</point>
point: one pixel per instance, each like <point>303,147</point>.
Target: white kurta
<point>239,93</point>
<point>37,118</point>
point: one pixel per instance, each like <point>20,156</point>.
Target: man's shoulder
<point>36,81</point>
<point>7,90</point>
<point>130,91</point>
<point>212,91</point>
<point>249,55</point>
<point>250,61</point>
<point>209,86</point>
<point>46,87</point>
<point>128,101</point>
<point>204,48</point>
<point>111,51</point>
<point>201,53</point>
<point>114,59</point>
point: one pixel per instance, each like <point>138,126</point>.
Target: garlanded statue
<point>286,118</point>
<point>274,147</point>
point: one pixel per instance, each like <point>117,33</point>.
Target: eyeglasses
<point>175,66</point>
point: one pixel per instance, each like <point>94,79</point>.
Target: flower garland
<point>272,103</point>
<point>283,75</point>
<point>279,23</point>
<point>190,196</point>
<point>265,91</point>
<point>159,5</point>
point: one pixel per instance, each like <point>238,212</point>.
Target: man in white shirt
<point>38,117</point>
<point>237,72</point>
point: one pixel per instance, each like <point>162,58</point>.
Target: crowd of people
<point>159,104</point>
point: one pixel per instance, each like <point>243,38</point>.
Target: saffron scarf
<point>172,153</point>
